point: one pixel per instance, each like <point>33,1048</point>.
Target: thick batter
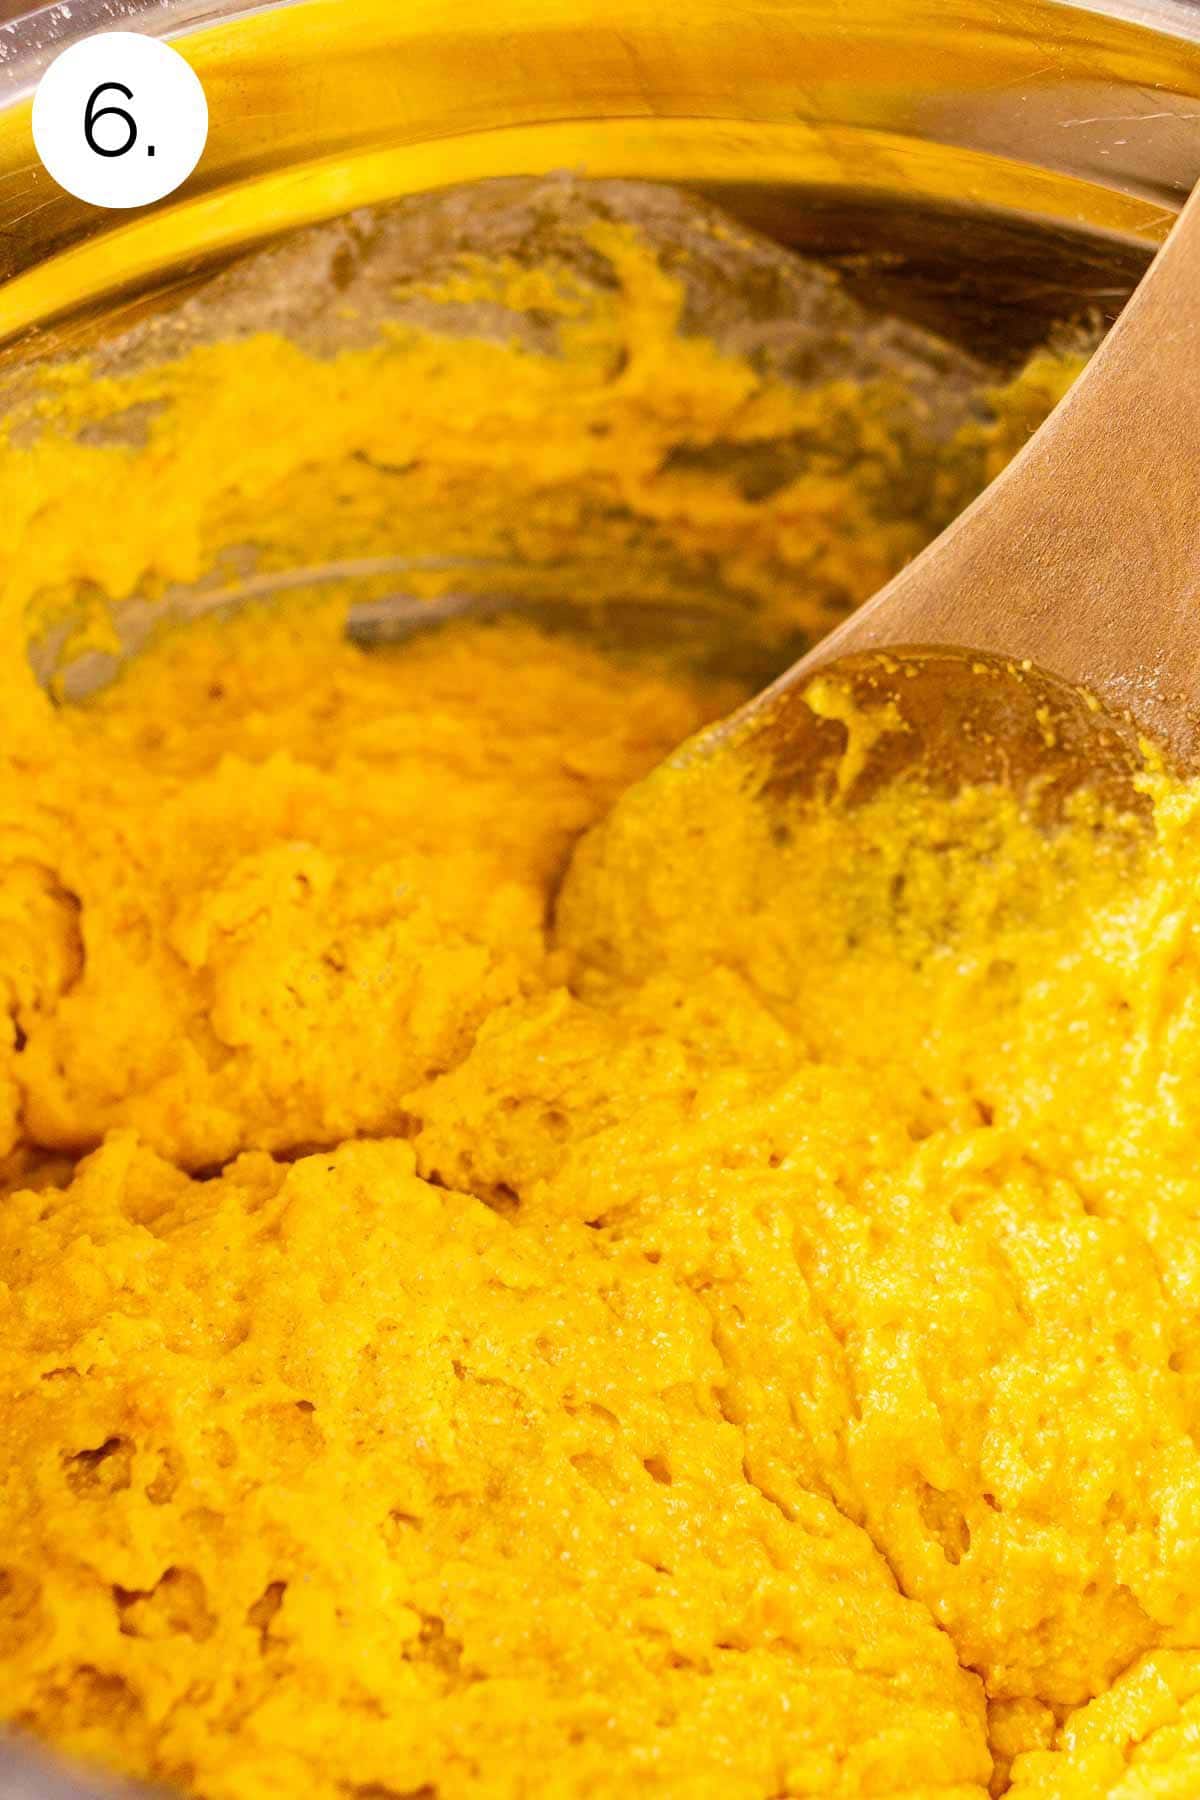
<point>770,1373</point>
<point>446,1351</point>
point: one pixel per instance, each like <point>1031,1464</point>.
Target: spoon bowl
<point>1048,642</point>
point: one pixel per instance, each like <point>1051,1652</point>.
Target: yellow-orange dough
<point>728,1378</point>
<point>447,1350</point>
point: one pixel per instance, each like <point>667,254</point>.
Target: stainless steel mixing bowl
<point>991,162</point>
<point>985,166</point>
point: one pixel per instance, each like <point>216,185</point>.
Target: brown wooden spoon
<point>1077,572</point>
<point>1049,632</point>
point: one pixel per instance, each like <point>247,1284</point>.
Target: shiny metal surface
<point>1079,118</point>
<point>24,1775</point>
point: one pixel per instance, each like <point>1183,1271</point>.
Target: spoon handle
<point>1084,555</point>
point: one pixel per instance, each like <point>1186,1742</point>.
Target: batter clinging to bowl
<point>441,1355</point>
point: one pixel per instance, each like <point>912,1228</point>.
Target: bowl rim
<point>31,40</point>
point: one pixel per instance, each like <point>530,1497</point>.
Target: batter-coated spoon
<point>1051,627</point>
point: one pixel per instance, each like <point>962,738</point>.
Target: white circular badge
<point>120,119</point>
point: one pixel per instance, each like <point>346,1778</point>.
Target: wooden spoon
<point>1077,572</point>
<point>1048,632</point>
